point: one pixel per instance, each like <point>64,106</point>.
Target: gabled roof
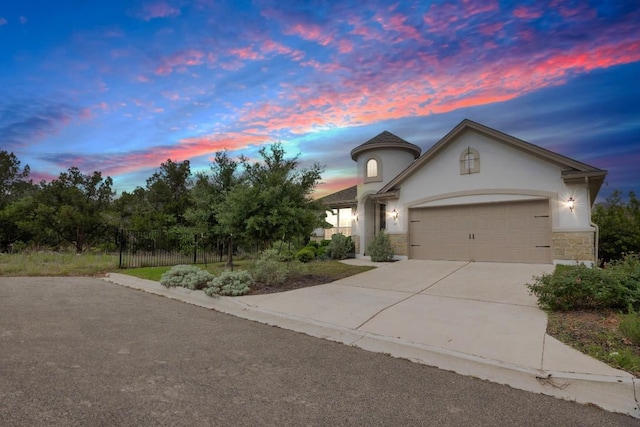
<point>386,140</point>
<point>574,171</point>
<point>341,199</point>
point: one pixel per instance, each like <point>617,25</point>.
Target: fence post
<point>121,232</point>
<point>195,248</point>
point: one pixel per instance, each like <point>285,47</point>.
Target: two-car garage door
<point>501,232</point>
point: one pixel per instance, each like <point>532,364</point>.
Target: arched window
<point>469,161</point>
<point>372,168</point>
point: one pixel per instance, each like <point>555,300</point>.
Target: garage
<point>499,232</point>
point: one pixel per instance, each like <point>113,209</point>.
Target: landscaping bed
<point>596,333</point>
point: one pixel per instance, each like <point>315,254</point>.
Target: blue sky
<point>122,86</point>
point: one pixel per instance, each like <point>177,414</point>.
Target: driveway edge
<point>615,394</point>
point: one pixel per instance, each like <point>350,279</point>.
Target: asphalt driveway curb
<point>612,393</point>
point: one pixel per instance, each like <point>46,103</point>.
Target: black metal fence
<point>158,248</point>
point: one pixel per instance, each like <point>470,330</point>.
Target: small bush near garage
<point>380,248</point>
<point>340,247</point>
<point>186,276</point>
<point>581,287</point>
<point>231,283</point>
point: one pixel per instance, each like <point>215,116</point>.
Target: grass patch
<point>335,270</point>
<point>56,264</point>
<point>596,333</point>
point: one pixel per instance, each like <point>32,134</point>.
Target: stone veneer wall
<point>399,243</point>
<point>576,245</point>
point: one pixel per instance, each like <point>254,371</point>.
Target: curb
<point>615,394</point>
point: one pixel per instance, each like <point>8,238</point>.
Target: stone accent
<point>573,246</point>
<point>356,242</point>
<point>399,243</point>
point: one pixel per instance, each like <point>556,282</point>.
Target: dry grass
<point>56,264</point>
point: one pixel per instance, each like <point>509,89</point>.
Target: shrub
<point>186,276</point>
<point>630,326</point>
<point>313,244</point>
<point>581,287</point>
<point>306,254</point>
<point>380,248</point>
<point>322,252</point>
<point>286,255</point>
<point>340,247</point>
<point>231,283</point>
<point>268,270</point>
<point>324,243</point>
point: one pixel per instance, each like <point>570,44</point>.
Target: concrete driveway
<point>472,318</point>
<point>481,309</point>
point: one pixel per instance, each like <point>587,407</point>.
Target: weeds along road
<point>81,351</point>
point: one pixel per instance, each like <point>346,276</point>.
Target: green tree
<point>273,200</point>
<point>167,193</point>
<point>14,185</point>
<point>207,194</point>
<point>13,181</point>
<point>72,207</point>
<point>619,224</point>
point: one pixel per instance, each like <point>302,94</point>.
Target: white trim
<point>481,198</point>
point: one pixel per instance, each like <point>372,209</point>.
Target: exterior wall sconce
<point>571,203</point>
<point>394,214</point>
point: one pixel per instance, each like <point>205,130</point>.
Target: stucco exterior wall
<point>506,173</point>
<point>573,246</point>
<point>356,243</point>
<point>392,162</point>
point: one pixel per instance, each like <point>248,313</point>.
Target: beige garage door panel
<point>503,232</point>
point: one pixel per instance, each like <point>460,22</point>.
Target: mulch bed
<point>296,283</point>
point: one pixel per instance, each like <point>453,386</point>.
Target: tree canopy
<point>255,202</point>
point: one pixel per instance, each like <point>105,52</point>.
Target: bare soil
<point>303,281</point>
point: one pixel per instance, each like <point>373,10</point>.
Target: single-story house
<point>477,194</point>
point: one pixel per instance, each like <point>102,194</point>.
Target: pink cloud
<point>170,95</point>
<point>311,32</point>
<point>180,61</point>
<point>333,185</point>
<point>363,30</point>
<point>345,46</point>
<point>23,20</point>
<point>490,29</point>
<point>523,12</point>
<point>397,23</point>
<point>433,91</point>
<point>324,68</point>
<point>143,79</point>
<point>271,46</point>
<point>245,53</point>
<point>3,21</point>
<point>186,148</point>
<point>160,9</point>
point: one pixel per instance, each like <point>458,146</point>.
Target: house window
<point>372,168</point>
<point>340,220</point>
<point>469,161</point>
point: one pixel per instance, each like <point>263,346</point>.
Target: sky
<point>122,86</point>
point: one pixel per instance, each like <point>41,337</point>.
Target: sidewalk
<point>472,318</point>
